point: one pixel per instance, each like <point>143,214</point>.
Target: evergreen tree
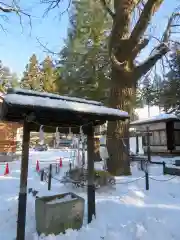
<point>150,94</point>
<point>170,94</point>
<point>85,56</point>
<point>7,78</point>
<point>31,76</point>
<point>127,39</point>
<point>49,81</point>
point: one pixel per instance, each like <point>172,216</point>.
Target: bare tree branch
<point>160,50</point>
<point>151,61</point>
<point>52,4</point>
<point>107,8</point>
<point>14,8</point>
<point>139,47</point>
<point>170,25</point>
<point>6,8</point>
<point>149,9</point>
<point>46,49</point>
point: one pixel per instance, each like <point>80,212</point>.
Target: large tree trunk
<point>124,46</point>
<point>121,97</point>
<point>97,157</point>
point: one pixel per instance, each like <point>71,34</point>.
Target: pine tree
<point>170,93</point>
<point>7,78</point>
<point>127,39</point>
<point>150,94</point>
<point>85,56</point>
<point>31,76</point>
<point>49,81</point>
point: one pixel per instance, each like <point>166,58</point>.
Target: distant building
<point>8,134</point>
<point>164,133</point>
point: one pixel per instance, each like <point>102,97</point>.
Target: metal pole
<point>21,219</point>
<point>148,108</point>
<point>137,144</point>
<point>50,176</point>
<point>42,175</point>
<point>164,168</point>
<point>91,186</point>
<point>148,145</point>
<point>147,179</point>
<point>147,101</point>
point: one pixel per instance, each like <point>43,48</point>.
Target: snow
<point>44,101</point>
<point>124,211</point>
<point>51,95</point>
<point>160,117</point>
<point>66,198</point>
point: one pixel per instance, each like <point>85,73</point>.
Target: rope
<point>162,180</point>
<point>57,179</point>
<point>131,181</point>
<point>49,126</point>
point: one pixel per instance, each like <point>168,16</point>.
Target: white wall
<point>132,143</point>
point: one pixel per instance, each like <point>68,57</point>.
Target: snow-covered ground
<point>126,211</point>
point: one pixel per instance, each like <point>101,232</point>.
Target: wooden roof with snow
<point>53,110</point>
<point>164,117</point>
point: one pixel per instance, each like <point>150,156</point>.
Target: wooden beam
<point>23,184</point>
<point>137,144</point>
<point>140,134</point>
<point>91,185</point>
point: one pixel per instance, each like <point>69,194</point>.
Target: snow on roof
<point>164,117</point>
<point>52,96</point>
<point>46,101</point>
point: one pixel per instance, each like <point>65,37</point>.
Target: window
<point>156,138</point>
<point>177,137</point>
<point>163,138</point>
<point>151,140</point>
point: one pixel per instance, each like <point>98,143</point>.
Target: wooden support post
<point>141,161</point>
<point>147,180</point>
<point>50,176</point>
<point>148,145</point>
<point>91,185</point>
<point>164,168</point>
<point>21,219</point>
<point>70,166</point>
<point>42,175</point>
<point>137,144</point>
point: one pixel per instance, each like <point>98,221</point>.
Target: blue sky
<point>16,46</point>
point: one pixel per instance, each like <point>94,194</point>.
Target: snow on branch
<point>161,50</point>
<point>6,8</point>
<point>14,8</point>
<point>139,47</point>
<point>107,8</point>
<point>150,7</point>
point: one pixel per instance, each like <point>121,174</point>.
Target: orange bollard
<point>37,166</point>
<point>60,163</point>
<point>6,169</point>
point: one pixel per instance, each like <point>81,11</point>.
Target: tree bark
<point>124,46</point>
<point>97,157</point>
<point>121,97</point>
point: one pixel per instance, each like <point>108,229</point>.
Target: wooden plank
<point>140,134</point>
<point>23,184</point>
<point>91,186</point>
